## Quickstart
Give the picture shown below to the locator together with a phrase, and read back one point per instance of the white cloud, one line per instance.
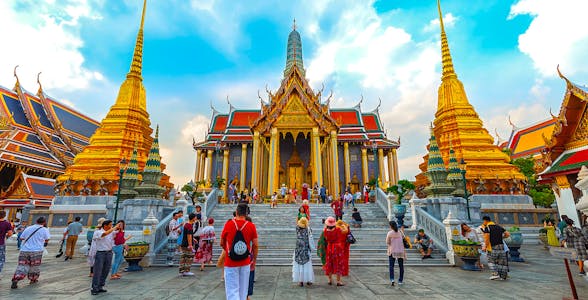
(521, 115)
(47, 42)
(448, 21)
(557, 35)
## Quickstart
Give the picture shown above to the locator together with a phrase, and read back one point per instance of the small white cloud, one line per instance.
(448, 21)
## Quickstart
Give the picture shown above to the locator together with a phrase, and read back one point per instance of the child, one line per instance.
(356, 219)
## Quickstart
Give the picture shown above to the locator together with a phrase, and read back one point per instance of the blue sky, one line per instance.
(199, 51)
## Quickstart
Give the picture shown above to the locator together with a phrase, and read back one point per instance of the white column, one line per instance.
(565, 202)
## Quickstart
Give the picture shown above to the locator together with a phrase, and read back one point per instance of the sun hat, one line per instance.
(305, 201)
(99, 222)
(302, 222)
(330, 221)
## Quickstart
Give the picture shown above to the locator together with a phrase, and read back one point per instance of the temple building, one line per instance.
(39, 138)
(457, 123)
(529, 141)
(566, 149)
(126, 127)
(295, 138)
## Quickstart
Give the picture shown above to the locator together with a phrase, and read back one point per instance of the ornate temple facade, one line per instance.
(39, 138)
(126, 128)
(458, 124)
(296, 138)
(566, 149)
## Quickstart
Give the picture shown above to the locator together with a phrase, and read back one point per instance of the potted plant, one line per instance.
(514, 242)
(400, 190)
(134, 254)
(468, 252)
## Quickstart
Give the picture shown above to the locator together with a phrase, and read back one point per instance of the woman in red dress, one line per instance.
(335, 260)
(304, 193)
(344, 227)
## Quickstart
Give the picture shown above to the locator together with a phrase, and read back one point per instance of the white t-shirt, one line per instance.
(35, 241)
(103, 243)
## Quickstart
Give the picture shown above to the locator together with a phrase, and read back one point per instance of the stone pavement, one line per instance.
(541, 277)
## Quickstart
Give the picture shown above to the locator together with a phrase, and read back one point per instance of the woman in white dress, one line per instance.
(302, 265)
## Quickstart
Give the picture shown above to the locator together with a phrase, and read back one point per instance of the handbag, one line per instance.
(351, 239)
(406, 241)
(200, 230)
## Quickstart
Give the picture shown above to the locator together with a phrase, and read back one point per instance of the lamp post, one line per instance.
(217, 147)
(466, 194)
(375, 149)
(122, 166)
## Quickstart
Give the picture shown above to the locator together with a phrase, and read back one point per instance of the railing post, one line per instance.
(149, 225)
(452, 232)
(412, 204)
(389, 198)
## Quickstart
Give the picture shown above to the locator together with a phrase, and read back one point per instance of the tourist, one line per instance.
(348, 188)
(424, 244)
(335, 249)
(204, 253)
(301, 213)
(187, 246)
(366, 193)
(302, 265)
(306, 208)
(274, 201)
(574, 238)
(356, 219)
(198, 212)
(337, 207)
(561, 226)
(73, 230)
(63, 241)
(102, 242)
(19, 230)
(321, 247)
(304, 193)
(239, 239)
(34, 239)
(294, 192)
(119, 243)
(283, 191)
(323, 193)
(5, 232)
(174, 228)
(551, 236)
(344, 227)
(585, 225)
(348, 199)
(494, 245)
(468, 233)
(92, 251)
(394, 240)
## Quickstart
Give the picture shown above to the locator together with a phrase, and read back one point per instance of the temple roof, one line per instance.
(28, 187)
(22, 144)
(569, 162)
(528, 141)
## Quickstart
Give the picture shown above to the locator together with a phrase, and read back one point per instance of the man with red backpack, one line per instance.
(239, 240)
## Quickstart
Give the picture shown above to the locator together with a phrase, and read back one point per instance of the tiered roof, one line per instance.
(530, 140)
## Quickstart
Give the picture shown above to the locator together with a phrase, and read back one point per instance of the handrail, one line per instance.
(210, 203)
(384, 203)
(161, 233)
(433, 227)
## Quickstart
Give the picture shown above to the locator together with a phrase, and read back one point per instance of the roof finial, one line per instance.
(514, 127)
(17, 84)
(446, 59)
(40, 91)
(137, 62)
(294, 24)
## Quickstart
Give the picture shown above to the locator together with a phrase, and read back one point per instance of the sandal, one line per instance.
(340, 284)
(114, 277)
(330, 283)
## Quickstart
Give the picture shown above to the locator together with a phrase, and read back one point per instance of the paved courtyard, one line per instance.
(541, 277)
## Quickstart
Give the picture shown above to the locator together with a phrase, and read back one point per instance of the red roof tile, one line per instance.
(347, 117)
(370, 123)
(220, 123)
(242, 118)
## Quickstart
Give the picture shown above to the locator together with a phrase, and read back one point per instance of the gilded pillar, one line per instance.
(273, 161)
(347, 163)
(395, 161)
(317, 173)
(391, 178)
(381, 168)
(202, 165)
(243, 167)
(208, 166)
(197, 168)
(225, 171)
(364, 166)
(255, 163)
(335, 163)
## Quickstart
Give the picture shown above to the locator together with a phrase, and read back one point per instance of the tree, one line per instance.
(541, 193)
(401, 189)
(191, 188)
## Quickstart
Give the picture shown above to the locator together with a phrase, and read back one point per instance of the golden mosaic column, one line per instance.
(391, 178)
(255, 163)
(316, 153)
(208, 166)
(364, 166)
(395, 161)
(202, 165)
(272, 166)
(335, 163)
(381, 168)
(243, 166)
(198, 165)
(346, 163)
(225, 171)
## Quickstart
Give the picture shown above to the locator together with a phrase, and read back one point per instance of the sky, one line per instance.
(198, 52)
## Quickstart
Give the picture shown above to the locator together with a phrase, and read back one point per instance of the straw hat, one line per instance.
(100, 221)
(305, 201)
(302, 222)
(330, 221)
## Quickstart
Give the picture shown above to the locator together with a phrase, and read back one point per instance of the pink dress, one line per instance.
(395, 244)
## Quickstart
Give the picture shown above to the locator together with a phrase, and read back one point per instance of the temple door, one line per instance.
(295, 176)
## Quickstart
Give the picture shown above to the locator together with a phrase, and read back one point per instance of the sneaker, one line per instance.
(14, 285)
(187, 274)
(582, 273)
(494, 277)
(170, 263)
(391, 282)
(93, 292)
(400, 283)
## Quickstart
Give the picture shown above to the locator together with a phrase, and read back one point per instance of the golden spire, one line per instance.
(445, 54)
(137, 63)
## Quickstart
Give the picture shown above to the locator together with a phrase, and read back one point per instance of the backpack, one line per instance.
(238, 250)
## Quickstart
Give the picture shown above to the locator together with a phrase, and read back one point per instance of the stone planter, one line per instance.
(469, 254)
(134, 254)
(514, 243)
(399, 210)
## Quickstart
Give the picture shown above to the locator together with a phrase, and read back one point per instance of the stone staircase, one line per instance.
(277, 235)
